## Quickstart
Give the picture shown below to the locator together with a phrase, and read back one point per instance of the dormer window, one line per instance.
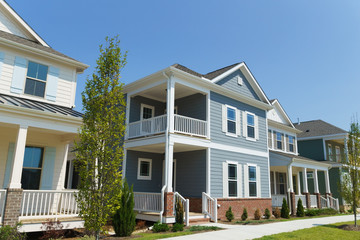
(36, 79)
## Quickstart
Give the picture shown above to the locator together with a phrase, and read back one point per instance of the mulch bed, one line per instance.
(348, 227)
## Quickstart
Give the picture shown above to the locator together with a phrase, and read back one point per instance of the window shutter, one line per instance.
(275, 140)
(283, 142)
(239, 180)
(9, 162)
(52, 82)
(244, 123)
(256, 119)
(238, 125)
(258, 182)
(246, 180)
(48, 168)
(224, 118)
(287, 142)
(295, 145)
(225, 180)
(19, 75)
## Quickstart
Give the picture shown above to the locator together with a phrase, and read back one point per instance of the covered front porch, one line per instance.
(290, 176)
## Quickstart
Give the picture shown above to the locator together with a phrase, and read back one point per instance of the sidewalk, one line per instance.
(255, 231)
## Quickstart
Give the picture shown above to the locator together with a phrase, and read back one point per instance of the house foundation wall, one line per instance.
(238, 204)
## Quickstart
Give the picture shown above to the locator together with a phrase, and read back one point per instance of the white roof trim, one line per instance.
(26, 27)
(326, 137)
(245, 70)
(283, 112)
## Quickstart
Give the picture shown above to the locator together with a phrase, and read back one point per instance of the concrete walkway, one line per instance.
(255, 231)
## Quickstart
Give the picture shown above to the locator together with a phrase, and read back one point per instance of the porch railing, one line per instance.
(277, 200)
(147, 202)
(190, 126)
(185, 203)
(209, 206)
(2, 203)
(303, 199)
(313, 201)
(147, 126)
(48, 204)
(323, 202)
(333, 203)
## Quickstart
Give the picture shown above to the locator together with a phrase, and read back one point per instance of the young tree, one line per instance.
(350, 183)
(100, 147)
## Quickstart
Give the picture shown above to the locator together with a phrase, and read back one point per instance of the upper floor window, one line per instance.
(36, 79)
(279, 141)
(31, 172)
(338, 153)
(330, 154)
(252, 181)
(147, 111)
(231, 120)
(250, 125)
(291, 143)
(232, 180)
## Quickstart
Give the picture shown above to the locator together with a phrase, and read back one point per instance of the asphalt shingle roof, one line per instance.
(33, 44)
(36, 105)
(317, 128)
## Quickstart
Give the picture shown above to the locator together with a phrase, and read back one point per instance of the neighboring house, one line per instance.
(37, 122)
(324, 142)
(288, 170)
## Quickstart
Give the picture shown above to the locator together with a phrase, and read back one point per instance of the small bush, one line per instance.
(311, 212)
(267, 214)
(257, 214)
(11, 233)
(317, 212)
(160, 227)
(203, 228)
(285, 212)
(229, 215)
(178, 227)
(277, 213)
(179, 212)
(300, 209)
(244, 216)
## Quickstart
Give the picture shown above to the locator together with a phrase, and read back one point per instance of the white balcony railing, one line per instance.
(333, 203)
(48, 204)
(155, 125)
(2, 203)
(277, 200)
(147, 202)
(303, 199)
(209, 206)
(313, 201)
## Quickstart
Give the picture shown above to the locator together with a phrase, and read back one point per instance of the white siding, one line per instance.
(9, 26)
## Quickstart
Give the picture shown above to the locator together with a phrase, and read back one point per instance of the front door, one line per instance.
(173, 175)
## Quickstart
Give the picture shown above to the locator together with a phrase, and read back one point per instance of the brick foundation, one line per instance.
(238, 205)
(293, 203)
(195, 204)
(318, 195)
(12, 206)
(308, 201)
(169, 204)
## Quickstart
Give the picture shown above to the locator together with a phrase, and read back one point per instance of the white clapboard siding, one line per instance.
(7, 25)
(6, 72)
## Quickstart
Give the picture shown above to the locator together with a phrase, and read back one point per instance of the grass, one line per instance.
(319, 233)
(187, 231)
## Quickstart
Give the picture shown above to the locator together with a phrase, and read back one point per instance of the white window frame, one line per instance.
(233, 180)
(239, 179)
(329, 151)
(247, 125)
(337, 154)
(281, 140)
(290, 136)
(256, 179)
(146, 106)
(227, 119)
(36, 79)
(139, 177)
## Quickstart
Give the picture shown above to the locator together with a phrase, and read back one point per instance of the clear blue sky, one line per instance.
(304, 53)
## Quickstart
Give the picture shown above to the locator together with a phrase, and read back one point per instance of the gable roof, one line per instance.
(317, 128)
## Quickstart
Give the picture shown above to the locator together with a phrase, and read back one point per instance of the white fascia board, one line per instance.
(73, 63)
(284, 113)
(325, 137)
(144, 141)
(310, 164)
(278, 125)
(22, 23)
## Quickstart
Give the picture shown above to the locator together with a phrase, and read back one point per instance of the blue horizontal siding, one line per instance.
(193, 106)
(135, 107)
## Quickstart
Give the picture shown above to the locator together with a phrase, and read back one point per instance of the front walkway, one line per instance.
(255, 231)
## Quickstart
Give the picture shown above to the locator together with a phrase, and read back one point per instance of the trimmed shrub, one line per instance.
(257, 214)
(229, 215)
(267, 214)
(244, 216)
(178, 227)
(285, 212)
(300, 209)
(160, 227)
(179, 212)
(277, 213)
(124, 220)
(323, 211)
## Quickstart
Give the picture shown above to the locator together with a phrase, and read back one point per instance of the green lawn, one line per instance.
(322, 232)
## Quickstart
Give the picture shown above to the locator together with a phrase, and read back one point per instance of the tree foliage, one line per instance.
(300, 212)
(350, 183)
(229, 215)
(99, 151)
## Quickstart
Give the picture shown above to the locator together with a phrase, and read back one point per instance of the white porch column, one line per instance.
(305, 183)
(63, 168)
(124, 164)
(17, 164)
(169, 153)
(208, 171)
(290, 180)
(316, 182)
(127, 120)
(298, 184)
(327, 182)
(170, 104)
(275, 184)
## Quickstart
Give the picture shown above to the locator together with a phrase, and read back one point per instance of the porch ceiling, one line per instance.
(160, 148)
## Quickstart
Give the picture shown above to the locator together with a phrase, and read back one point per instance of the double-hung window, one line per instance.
(291, 143)
(252, 181)
(232, 180)
(31, 172)
(279, 141)
(36, 79)
(144, 169)
(231, 120)
(250, 118)
(147, 111)
(338, 154)
(330, 152)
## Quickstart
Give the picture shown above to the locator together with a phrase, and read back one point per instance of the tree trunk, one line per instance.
(354, 209)
(97, 235)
